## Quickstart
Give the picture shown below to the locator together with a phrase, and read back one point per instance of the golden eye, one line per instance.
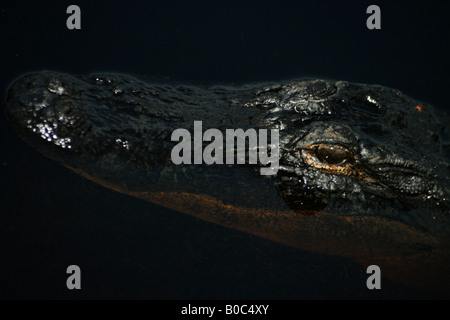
(328, 156)
(333, 159)
(331, 154)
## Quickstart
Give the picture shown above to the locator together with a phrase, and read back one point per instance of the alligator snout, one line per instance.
(46, 107)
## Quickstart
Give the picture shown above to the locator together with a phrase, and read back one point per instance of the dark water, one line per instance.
(127, 248)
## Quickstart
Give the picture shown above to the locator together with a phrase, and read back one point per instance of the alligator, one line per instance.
(363, 169)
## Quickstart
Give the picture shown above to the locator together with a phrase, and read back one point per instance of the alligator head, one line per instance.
(363, 169)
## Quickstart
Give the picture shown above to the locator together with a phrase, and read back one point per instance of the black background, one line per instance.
(130, 249)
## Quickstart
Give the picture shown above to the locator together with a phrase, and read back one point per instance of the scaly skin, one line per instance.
(363, 174)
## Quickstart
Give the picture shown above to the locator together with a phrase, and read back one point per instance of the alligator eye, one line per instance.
(332, 154)
(333, 159)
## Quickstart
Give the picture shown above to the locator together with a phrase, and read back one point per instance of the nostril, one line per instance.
(56, 86)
